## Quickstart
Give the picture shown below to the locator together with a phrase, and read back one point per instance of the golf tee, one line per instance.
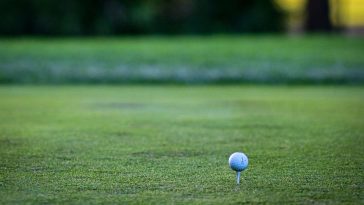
(237, 177)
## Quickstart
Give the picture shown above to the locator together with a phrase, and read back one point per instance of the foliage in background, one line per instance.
(101, 17)
(218, 59)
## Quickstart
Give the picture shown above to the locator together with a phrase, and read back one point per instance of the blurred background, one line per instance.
(136, 17)
(181, 41)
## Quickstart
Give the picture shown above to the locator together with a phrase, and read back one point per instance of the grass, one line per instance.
(140, 144)
(196, 60)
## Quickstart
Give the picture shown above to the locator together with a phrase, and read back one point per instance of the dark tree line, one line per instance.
(110, 17)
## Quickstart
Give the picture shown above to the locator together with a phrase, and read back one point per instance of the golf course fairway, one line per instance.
(170, 144)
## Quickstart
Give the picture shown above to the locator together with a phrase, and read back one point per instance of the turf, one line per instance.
(214, 59)
(140, 144)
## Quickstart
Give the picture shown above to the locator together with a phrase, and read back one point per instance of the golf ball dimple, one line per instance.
(238, 161)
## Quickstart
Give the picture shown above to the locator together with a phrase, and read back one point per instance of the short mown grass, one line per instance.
(142, 144)
(184, 60)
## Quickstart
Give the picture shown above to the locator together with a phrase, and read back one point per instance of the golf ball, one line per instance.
(238, 161)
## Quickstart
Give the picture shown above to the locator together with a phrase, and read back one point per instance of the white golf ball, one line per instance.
(238, 161)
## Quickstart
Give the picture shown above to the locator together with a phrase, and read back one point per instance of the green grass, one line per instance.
(140, 144)
(215, 59)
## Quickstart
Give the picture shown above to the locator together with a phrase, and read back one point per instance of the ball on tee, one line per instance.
(238, 161)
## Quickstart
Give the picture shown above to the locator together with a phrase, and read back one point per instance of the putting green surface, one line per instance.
(155, 144)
